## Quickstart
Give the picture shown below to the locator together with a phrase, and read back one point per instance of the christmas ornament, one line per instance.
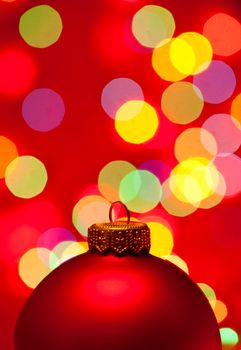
(117, 296)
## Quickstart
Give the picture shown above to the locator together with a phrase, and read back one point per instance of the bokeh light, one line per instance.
(17, 70)
(90, 210)
(53, 236)
(43, 109)
(34, 266)
(195, 142)
(230, 168)
(216, 197)
(236, 109)
(26, 177)
(74, 249)
(157, 167)
(8, 151)
(182, 56)
(208, 291)
(194, 180)
(152, 24)
(162, 63)
(136, 122)
(224, 128)
(65, 251)
(217, 83)
(220, 310)
(161, 239)
(224, 33)
(182, 102)
(229, 336)
(191, 53)
(40, 26)
(140, 190)
(172, 204)
(117, 92)
(110, 178)
(176, 260)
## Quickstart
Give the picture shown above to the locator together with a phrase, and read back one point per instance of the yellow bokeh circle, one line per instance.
(172, 204)
(176, 260)
(162, 64)
(26, 176)
(161, 239)
(136, 121)
(194, 180)
(191, 53)
(182, 56)
(34, 266)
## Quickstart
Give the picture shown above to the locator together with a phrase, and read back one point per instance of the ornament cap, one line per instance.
(119, 237)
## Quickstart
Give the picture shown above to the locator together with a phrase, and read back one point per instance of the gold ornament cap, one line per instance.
(119, 237)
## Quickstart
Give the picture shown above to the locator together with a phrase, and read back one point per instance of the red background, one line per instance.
(93, 49)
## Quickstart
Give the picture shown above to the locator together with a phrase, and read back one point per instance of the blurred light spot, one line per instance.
(194, 179)
(74, 249)
(117, 92)
(43, 109)
(17, 71)
(224, 128)
(140, 190)
(229, 336)
(161, 239)
(224, 33)
(136, 121)
(124, 218)
(216, 197)
(65, 251)
(55, 235)
(40, 26)
(152, 24)
(191, 53)
(182, 102)
(8, 151)
(182, 56)
(34, 266)
(208, 291)
(176, 260)
(230, 167)
(110, 177)
(236, 110)
(162, 63)
(195, 142)
(217, 83)
(26, 177)
(159, 168)
(173, 205)
(90, 210)
(158, 218)
(220, 310)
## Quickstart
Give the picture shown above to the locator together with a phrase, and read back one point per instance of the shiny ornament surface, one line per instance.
(96, 301)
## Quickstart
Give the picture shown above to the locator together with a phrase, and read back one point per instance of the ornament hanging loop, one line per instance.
(124, 206)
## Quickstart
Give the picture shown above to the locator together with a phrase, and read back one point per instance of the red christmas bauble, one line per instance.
(106, 301)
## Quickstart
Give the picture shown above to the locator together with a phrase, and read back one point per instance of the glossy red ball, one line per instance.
(95, 302)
